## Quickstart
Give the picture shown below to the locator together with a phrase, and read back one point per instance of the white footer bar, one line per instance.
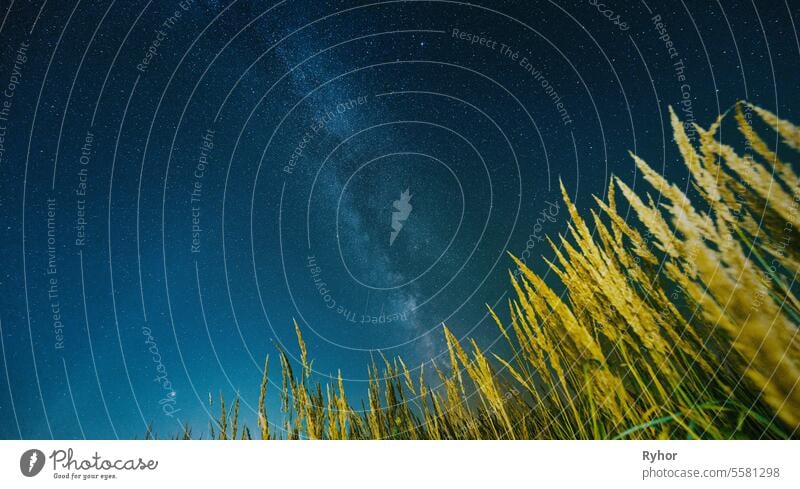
(389, 464)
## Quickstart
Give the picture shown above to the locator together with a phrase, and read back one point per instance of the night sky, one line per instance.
(181, 180)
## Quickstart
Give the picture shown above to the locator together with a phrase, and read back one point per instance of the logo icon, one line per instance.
(31, 462)
(403, 210)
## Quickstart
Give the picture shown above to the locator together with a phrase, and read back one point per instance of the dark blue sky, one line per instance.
(179, 181)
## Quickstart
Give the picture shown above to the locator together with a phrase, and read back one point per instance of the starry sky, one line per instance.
(180, 181)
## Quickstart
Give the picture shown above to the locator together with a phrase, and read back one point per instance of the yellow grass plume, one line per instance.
(681, 323)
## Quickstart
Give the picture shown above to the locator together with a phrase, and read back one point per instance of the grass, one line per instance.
(679, 323)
